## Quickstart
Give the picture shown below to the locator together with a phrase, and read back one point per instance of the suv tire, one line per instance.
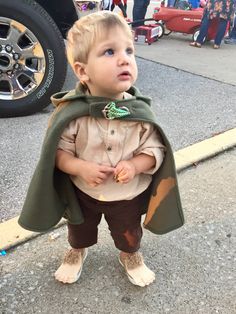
(37, 44)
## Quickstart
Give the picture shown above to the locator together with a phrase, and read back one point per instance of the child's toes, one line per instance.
(71, 268)
(138, 273)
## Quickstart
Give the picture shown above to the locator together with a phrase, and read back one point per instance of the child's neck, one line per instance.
(122, 95)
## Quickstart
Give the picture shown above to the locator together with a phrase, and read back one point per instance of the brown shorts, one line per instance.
(123, 218)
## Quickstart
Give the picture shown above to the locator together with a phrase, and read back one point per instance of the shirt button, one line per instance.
(112, 132)
(109, 148)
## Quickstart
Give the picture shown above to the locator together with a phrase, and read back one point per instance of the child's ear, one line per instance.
(80, 71)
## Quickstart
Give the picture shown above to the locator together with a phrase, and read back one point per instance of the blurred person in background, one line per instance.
(220, 9)
(111, 4)
(231, 39)
(121, 4)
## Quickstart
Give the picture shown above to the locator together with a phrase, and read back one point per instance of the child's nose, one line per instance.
(123, 58)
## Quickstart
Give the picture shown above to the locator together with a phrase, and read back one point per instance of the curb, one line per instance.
(12, 234)
(208, 148)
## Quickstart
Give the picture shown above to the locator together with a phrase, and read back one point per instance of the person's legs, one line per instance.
(139, 11)
(220, 32)
(112, 6)
(125, 5)
(106, 5)
(123, 10)
(124, 220)
(80, 237)
(232, 35)
(233, 31)
(203, 29)
(170, 3)
(125, 226)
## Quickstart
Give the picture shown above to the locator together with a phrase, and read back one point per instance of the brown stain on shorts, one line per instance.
(130, 238)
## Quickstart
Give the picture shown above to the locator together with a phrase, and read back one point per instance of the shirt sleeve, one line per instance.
(151, 144)
(67, 139)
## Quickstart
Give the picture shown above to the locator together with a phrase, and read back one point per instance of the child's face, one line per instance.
(111, 67)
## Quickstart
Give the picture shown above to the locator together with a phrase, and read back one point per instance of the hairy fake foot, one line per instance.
(71, 267)
(138, 273)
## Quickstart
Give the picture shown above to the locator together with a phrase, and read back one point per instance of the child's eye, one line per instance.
(109, 52)
(129, 51)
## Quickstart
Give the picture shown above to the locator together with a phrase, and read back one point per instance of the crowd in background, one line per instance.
(221, 10)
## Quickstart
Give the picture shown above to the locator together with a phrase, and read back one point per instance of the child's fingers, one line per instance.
(107, 169)
(117, 173)
(122, 177)
(118, 170)
(103, 176)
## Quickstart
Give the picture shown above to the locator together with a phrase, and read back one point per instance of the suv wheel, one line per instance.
(32, 58)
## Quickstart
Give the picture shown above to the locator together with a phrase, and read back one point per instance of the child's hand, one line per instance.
(93, 173)
(124, 171)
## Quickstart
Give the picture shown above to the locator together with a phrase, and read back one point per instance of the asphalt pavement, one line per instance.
(194, 265)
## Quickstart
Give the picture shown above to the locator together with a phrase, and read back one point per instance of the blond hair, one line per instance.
(90, 28)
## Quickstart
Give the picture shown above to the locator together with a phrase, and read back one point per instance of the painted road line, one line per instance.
(208, 148)
(11, 234)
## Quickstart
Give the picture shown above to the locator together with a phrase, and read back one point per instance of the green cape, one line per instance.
(51, 195)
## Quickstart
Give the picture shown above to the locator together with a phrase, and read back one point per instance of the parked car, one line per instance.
(32, 52)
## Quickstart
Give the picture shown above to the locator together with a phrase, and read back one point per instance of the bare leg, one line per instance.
(71, 267)
(138, 273)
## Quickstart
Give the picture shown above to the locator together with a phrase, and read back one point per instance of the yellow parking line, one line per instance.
(203, 150)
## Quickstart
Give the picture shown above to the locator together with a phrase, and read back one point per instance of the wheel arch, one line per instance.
(63, 13)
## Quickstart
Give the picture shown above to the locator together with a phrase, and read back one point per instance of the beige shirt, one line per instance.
(107, 142)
